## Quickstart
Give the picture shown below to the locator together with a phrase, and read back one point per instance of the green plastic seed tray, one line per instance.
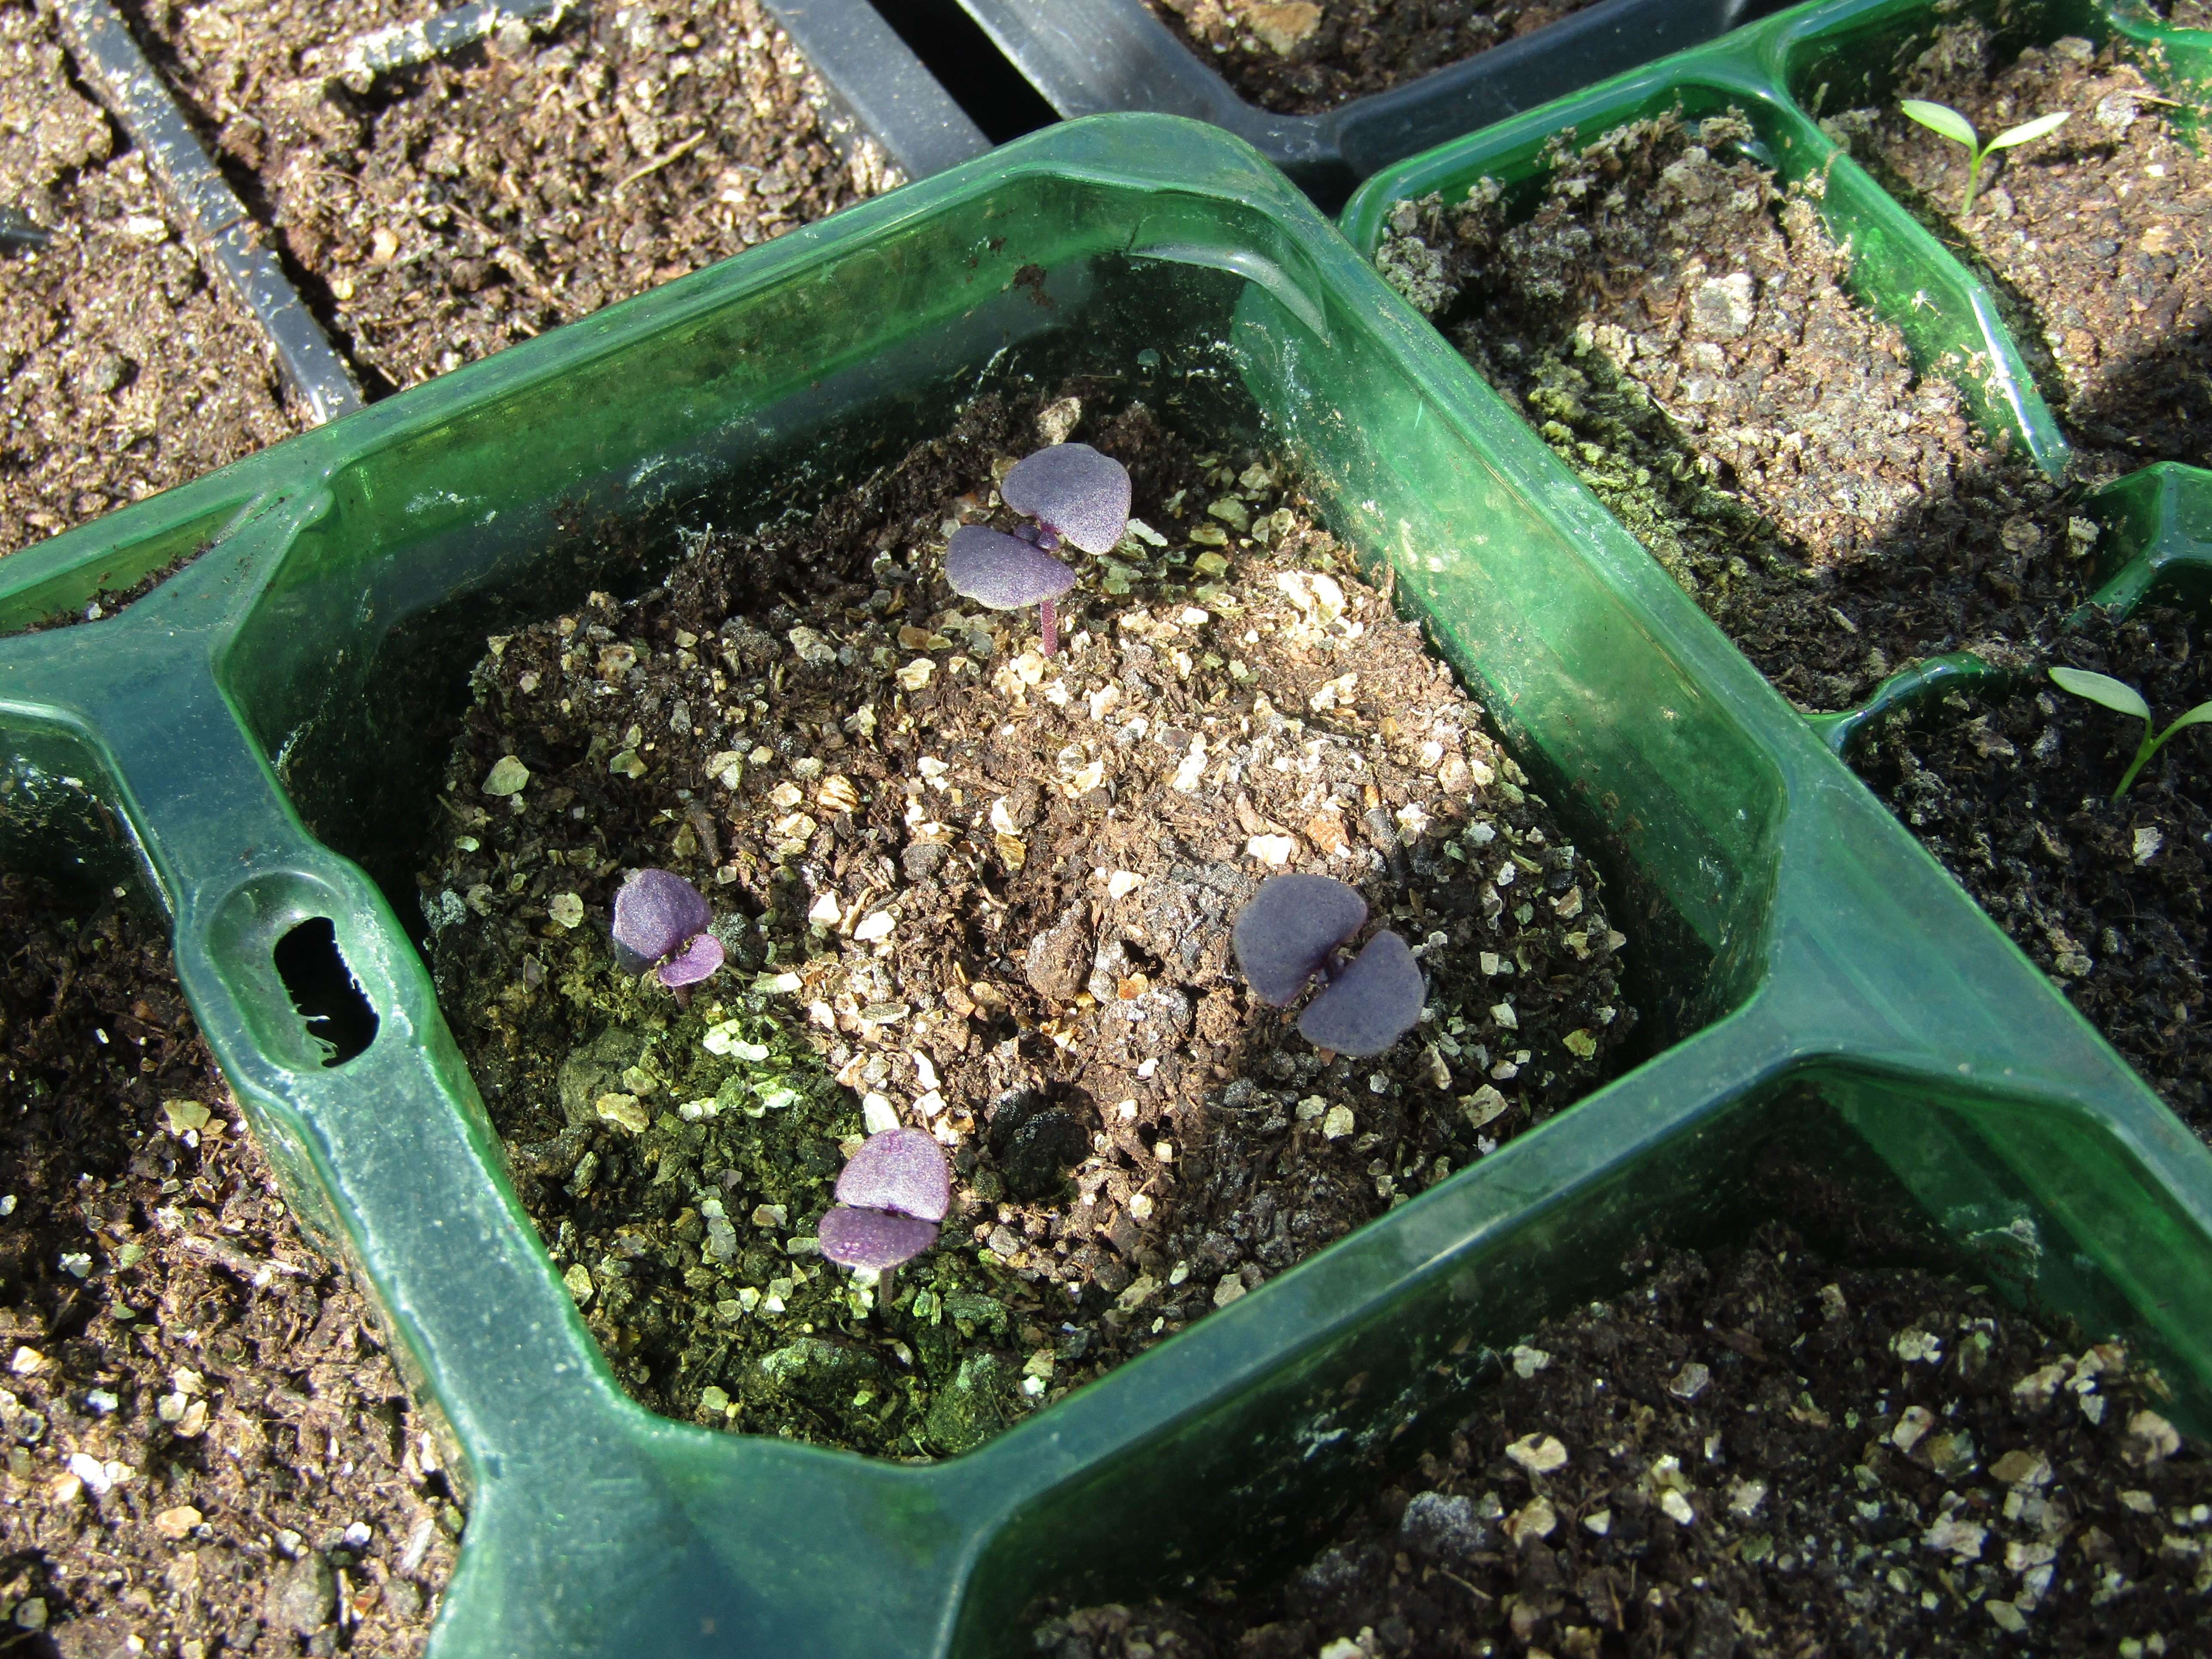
(2157, 544)
(254, 740)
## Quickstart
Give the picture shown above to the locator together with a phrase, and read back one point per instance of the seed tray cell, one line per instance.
(255, 744)
(1093, 57)
(1845, 54)
(1779, 74)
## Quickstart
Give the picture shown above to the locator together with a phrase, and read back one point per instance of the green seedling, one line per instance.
(1942, 117)
(2102, 688)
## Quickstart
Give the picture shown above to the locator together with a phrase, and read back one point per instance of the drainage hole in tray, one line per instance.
(325, 991)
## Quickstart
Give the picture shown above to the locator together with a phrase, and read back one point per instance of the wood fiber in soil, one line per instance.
(2096, 238)
(1680, 333)
(1757, 1451)
(999, 889)
(123, 371)
(2014, 796)
(1304, 59)
(170, 1333)
(443, 213)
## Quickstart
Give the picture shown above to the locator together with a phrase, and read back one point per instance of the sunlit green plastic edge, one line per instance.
(597, 1528)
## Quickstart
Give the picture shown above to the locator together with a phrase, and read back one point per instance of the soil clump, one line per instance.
(208, 1448)
(1756, 1449)
(1304, 59)
(982, 892)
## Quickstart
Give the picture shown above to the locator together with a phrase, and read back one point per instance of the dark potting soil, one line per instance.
(1755, 1451)
(429, 216)
(1304, 59)
(976, 890)
(2096, 238)
(433, 215)
(207, 1448)
(123, 370)
(2012, 793)
(1680, 333)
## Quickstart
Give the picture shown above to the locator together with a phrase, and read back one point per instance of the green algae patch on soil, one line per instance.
(977, 891)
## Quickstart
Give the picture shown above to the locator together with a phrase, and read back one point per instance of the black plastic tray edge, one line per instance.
(1087, 56)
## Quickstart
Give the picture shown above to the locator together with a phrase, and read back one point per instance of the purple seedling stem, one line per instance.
(1006, 572)
(891, 1198)
(1072, 491)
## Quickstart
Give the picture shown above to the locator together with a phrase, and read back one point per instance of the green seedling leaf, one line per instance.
(2102, 689)
(1942, 117)
(2029, 131)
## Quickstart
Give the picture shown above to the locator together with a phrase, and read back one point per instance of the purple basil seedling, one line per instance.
(889, 1199)
(1006, 572)
(660, 918)
(1289, 934)
(1072, 491)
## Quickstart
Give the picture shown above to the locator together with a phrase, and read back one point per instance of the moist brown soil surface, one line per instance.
(2099, 237)
(208, 1448)
(1302, 58)
(1680, 334)
(998, 890)
(429, 216)
(1755, 1451)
